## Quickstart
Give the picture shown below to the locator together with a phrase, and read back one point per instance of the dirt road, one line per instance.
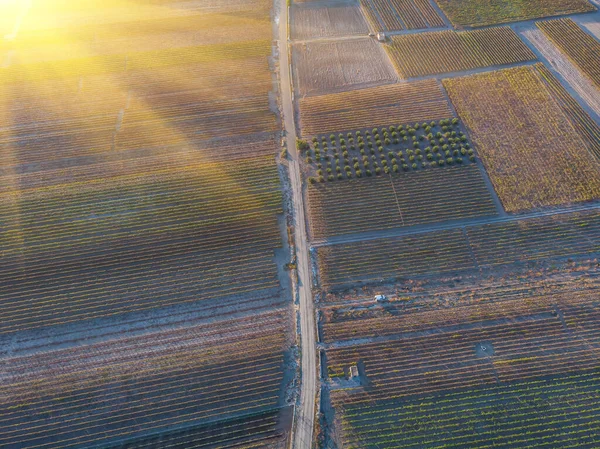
(305, 413)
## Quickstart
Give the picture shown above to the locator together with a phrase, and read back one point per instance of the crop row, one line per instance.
(63, 406)
(366, 108)
(450, 250)
(561, 411)
(581, 48)
(531, 151)
(411, 199)
(421, 54)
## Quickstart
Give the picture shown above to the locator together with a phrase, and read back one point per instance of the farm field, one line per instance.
(531, 166)
(372, 107)
(588, 129)
(574, 78)
(315, 21)
(581, 48)
(141, 189)
(508, 365)
(477, 13)
(422, 54)
(382, 203)
(397, 15)
(335, 66)
(128, 387)
(459, 250)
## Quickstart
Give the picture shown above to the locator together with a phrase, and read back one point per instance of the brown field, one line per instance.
(325, 67)
(366, 108)
(532, 153)
(421, 54)
(481, 12)
(310, 21)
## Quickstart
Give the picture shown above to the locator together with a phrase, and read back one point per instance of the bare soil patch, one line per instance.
(325, 67)
(314, 21)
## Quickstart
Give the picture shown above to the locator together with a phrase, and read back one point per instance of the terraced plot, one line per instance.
(422, 54)
(389, 202)
(581, 48)
(126, 388)
(366, 108)
(478, 13)
(530, 149)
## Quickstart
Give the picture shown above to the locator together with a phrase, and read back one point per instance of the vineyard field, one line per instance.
(588, 129)
(534, 156)
(411, 199)
(460, 250)
(478, 13)
(344, 265)
(128, 387)
(397, 15)
(142, 244)
(365, 108)
(422, 54)
(581, 48)
(509, 366)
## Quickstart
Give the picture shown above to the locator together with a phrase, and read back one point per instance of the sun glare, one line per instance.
(12, 13)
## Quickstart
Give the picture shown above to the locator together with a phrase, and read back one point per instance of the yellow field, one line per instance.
(533, 155)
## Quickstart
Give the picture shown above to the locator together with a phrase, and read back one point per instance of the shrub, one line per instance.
(339, 176)
(377, 170)
(368, 172)
(321, 179)
(395, 168)
(302, 145)
(330, 178)
(414, 166)
(311, 180)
